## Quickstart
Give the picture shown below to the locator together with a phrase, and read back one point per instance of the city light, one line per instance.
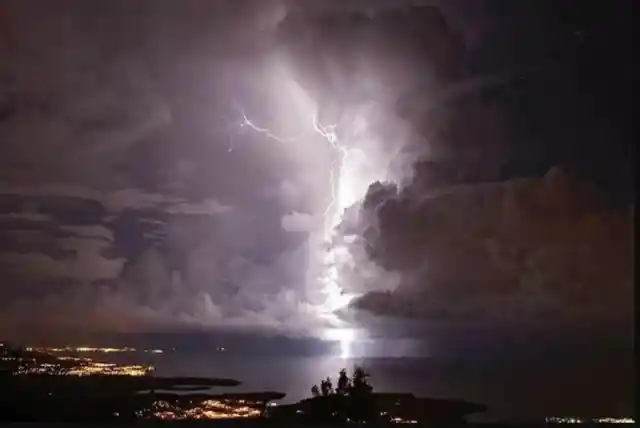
(576, 420)
(90, 349)
(35, 361)
(85, 368)
(110, 369)
(208, 409)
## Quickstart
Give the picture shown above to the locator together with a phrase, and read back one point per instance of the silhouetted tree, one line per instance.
(352, 400)
(315, 391)
(360, 382)
(344, 383)
(326, 387)
(362, 406)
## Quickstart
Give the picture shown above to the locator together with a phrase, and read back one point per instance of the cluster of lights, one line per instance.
(398, 420)
(66, 358)
(86, 368)
(393, 420)
(403, 421)
(208, 409)
(43, 369)
(111, 369)
(574, 420)
(89, 349)
(615, 421)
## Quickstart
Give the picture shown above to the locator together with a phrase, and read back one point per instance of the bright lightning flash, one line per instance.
(342, 196)
(349, 177)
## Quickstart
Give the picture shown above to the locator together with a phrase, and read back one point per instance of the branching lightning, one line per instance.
(340, 199)
(267, 132)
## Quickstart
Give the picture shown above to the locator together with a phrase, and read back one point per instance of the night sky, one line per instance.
(496, 209)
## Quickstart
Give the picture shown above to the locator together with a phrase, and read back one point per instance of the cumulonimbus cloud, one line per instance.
(534, 250)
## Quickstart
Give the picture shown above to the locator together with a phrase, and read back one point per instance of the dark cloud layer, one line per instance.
(520, 252)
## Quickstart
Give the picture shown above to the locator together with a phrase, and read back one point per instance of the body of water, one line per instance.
(520, 389)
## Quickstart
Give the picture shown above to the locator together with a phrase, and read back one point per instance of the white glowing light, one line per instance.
(345, 336)
(342, 196)
(266, 132)
(350, 174)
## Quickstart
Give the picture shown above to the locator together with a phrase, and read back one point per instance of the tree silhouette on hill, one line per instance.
(344, 383)
(351, 401)
(326, 387)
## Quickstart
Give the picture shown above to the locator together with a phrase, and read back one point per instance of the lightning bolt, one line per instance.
(265, 131)
(336, 297)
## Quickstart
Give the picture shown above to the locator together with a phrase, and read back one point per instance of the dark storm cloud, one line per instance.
(493, 96)
(525, 252)
(414, 63)
(65, 209)
(533, 250)
(350, 57)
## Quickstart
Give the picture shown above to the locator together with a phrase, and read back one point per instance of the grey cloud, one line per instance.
(102, 309)
(109, 92)
(300, 222)
(95, 232)
(206, 293)
(26, 240)
(87, 265)
(80, 257)
(53, 190)
(133, 199)
(197, 279)
(121, 199)
(136, 199)
(289, 191)
(151, 221)
(69, 209)
(28, 216)
(207, 207)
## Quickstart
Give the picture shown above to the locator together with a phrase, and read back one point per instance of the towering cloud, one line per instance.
(524, 251)
(468, 241)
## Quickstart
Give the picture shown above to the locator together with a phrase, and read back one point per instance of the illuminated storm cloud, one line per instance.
(352, 166)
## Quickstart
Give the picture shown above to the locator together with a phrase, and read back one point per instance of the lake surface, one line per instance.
(511, 388)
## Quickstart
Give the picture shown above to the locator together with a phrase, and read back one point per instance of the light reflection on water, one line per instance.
(294, 375)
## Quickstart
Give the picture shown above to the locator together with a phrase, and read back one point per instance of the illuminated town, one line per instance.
(89, 349)
(584, 421)
(37, 361)
(47, 364)
(207, 409)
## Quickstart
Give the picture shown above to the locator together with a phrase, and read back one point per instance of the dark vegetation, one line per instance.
(353, 400)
